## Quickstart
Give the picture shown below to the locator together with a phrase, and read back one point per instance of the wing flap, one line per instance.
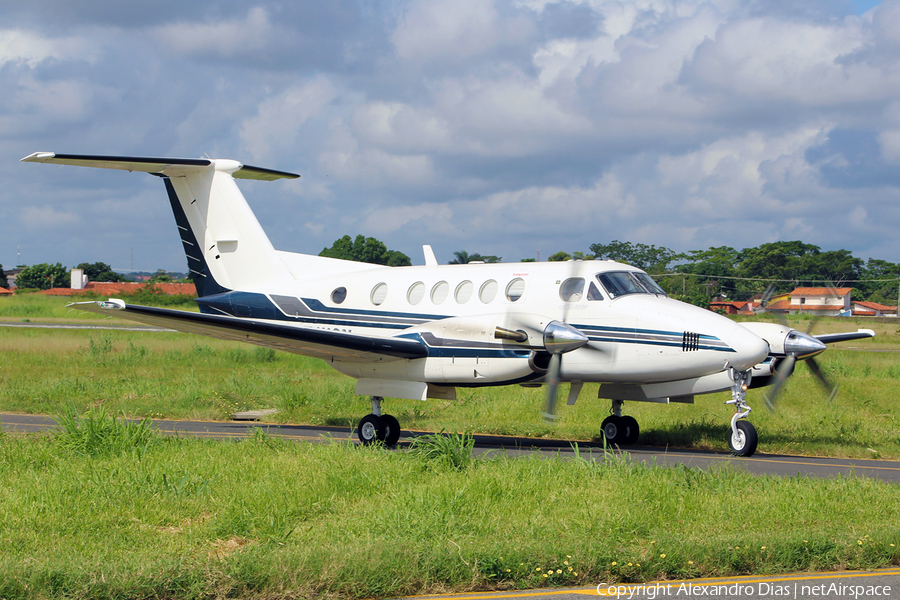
(309, 342)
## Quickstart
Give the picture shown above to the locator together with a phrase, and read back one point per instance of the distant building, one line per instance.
(873, 309)
(731, 308)
(822, 301)
(11, 275)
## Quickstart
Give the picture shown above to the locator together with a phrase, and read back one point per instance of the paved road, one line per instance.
(769, 464)
(845, 585)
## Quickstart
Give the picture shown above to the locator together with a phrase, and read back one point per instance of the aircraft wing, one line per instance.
(830, 338)
(318, 343)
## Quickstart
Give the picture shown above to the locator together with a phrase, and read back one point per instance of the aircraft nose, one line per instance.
(749, 348)
(802, 345)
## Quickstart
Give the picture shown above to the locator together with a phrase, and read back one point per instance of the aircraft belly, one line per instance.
(453, 370)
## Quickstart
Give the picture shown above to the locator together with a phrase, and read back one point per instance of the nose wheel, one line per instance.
(376, 427)
(742, 439)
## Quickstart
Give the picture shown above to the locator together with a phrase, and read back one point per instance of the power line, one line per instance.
(829, 281)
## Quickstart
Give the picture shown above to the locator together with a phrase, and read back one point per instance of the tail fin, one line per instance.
(225, 245)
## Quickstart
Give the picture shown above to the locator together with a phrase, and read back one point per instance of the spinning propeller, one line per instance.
(803, 346)
(554, 337)
(797, 345)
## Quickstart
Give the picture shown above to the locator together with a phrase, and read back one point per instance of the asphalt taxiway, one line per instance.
(760, 464)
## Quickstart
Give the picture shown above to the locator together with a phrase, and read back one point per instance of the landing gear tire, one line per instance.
(391, 430)
(613, 430)
(620, 431)
(630, 425)
(743, 442)
(371, 429)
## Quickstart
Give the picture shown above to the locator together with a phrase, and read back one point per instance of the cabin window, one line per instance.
(594, 293)
(439, 292)
(379, 293)
(464, 292)
(339, 295)
(416, 293)
(515, 289)
(488, 291)
(571, 289)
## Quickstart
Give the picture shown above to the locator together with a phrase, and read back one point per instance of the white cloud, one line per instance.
(29, 48)
(890, 145)
(454, 32)
(279, 119)
(48, 218)
(227, 38)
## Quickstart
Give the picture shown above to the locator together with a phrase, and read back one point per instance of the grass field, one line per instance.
(155, 517)
(107, 509)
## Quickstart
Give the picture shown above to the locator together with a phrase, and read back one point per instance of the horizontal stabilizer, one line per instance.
(309, 342)
(147, 164)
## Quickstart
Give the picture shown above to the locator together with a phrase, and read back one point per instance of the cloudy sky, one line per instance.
(494, 126)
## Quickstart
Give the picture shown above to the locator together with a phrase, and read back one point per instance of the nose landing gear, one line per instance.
(743, 438)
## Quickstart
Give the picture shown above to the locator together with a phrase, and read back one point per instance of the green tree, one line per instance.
(161, 276)
(3, 282)
(716, 268)
(463, 257)
(649, 258)
(99, 271)
(884, 291)
(43, 277)
(559, 257)
(368, 250)
(778, 260)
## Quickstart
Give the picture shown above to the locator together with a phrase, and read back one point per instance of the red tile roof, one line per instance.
(4, 291)
(821, 291)
(874, 305)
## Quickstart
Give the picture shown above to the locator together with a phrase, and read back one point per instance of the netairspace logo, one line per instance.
(651, 591)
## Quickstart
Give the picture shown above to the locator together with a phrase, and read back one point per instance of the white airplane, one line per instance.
(422, 331)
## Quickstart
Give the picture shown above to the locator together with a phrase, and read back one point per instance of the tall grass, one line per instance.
(444, 450)
(97, 433)
(193, 518)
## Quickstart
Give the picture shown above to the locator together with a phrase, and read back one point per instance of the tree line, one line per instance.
(698, 276)
(44, 276)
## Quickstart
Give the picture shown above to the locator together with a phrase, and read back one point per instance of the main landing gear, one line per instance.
(618, 429)
(743, 439)
(376, 427)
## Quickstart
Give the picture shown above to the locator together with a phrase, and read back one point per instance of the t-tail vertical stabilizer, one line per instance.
(225, 245)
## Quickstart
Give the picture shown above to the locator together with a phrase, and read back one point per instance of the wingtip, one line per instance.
(38, 157)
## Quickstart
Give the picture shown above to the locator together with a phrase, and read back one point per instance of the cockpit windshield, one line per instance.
(621, 283)
(649, 283)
